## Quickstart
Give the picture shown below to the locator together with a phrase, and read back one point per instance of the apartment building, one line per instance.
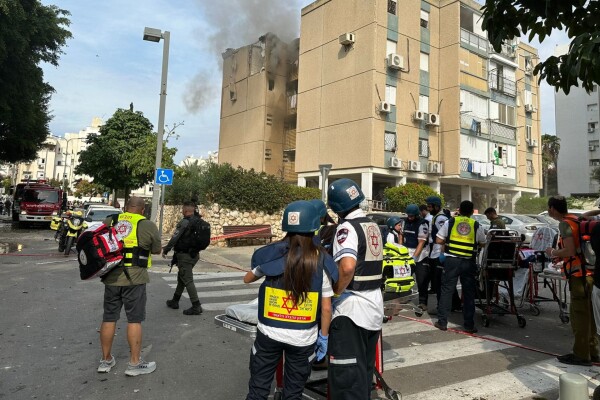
(392, 92)
(577, 117)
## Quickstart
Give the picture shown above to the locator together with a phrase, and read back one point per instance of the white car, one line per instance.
(95, 215)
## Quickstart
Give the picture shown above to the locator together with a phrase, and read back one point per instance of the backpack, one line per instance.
(99, 251)
(199, 234)
(589, 240)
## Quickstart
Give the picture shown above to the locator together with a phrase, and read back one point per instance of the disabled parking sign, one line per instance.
(163, 176)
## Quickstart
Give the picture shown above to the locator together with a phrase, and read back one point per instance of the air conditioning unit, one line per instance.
(592, 148)
(40, 166)
(395, 162)
(414, 166)
(433, 119)
(534, 143)
(419, 116)
(385, 107)
(528, 69)
(530, 108)
(434, 167)
(26, 176)
(430, 166)
(591, 129)
(347, 39)
(395, 61)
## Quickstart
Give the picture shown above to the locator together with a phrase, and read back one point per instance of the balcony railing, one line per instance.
(502, 84)
(474, 40)
(508, 50)
(486, 128)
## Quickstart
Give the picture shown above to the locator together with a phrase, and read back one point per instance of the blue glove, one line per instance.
(321, 347)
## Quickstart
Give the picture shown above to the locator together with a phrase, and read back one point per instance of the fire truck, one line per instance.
(36, 201)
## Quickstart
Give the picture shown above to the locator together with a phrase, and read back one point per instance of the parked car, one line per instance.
(552, 223)
(523, 224)
(95, 215)
(482, 219)
(571, 211)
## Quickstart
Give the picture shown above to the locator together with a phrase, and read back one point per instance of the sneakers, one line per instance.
(141, 368)
(105, 365)
(595, 359)
(572, 359)
(174, 304)
(423, 307)
(470, 330)
(440, 326)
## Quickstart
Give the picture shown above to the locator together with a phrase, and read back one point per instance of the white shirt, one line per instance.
(295, 337)
(440, 220)
(364, 308)
(443, 234)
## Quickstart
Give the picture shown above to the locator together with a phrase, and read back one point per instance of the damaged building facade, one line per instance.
(388, 93)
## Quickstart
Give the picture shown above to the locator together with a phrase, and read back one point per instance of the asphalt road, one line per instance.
(49, 345)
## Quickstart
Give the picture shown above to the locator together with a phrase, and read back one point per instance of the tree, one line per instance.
(85, 188)
(122, 155)
(412, 193)
(30, 33)
(507, 19)
(550, 150)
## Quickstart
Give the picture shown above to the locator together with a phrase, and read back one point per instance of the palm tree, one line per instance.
(550, 150)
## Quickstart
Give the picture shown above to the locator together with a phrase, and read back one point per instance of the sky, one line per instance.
(107, 65)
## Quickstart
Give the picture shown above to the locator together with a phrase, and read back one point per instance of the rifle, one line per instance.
(173, 262)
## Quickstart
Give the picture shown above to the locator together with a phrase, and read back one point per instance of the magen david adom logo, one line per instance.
(353, 192)
(463, 228)
(294, 218)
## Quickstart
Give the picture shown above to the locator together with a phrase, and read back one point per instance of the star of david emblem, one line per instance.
(374, 240)
(289, 308)
(122, 228)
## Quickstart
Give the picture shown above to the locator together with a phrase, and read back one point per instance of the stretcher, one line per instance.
(243, 318)
(497, 264)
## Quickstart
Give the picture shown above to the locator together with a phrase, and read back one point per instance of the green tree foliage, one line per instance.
(528, 204)
(30, 33)
(550, 150)
(6, 185)
(506, 19)
(234, 188)
(85, 188)
(412, 193)
(122, 155)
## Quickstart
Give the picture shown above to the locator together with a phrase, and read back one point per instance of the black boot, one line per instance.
(174, 303)
(195, 309)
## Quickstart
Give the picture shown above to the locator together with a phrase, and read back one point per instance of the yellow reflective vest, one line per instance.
(126, 228)
(461, 240)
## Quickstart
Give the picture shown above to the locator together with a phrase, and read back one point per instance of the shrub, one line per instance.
(528, 204)
(412, 193)
(235, 188)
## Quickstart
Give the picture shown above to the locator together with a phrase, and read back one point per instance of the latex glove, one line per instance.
(321, 347)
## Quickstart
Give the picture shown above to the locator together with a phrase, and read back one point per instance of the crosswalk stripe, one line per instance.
(434, 352)
(213, 275)
(515, 384)
(217, 284)
(223, 293)
(220, 306)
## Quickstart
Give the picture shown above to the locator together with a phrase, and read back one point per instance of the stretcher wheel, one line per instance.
(419, 313)
(535, 310)
(485, 321)
(521, 321)
(564, 319)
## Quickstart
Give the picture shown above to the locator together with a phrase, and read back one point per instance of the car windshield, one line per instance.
(40, 196)
(525, 219)
(101, 215)
(482, 219)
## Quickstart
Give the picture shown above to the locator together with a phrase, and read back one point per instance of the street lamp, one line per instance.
(154, 35)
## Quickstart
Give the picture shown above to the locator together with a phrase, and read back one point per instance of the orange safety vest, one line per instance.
(572, 266)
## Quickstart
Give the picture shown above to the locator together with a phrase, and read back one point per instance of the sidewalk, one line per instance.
(213, 259)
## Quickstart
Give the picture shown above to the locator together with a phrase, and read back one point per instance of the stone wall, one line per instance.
(217, 217)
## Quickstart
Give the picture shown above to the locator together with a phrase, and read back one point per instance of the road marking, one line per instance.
(214, 275)
(217, 284)
(222, 293)
(56, 262)
(519, 383)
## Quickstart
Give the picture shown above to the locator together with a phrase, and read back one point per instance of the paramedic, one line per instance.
(297, 275)
(460, 235)
(394, 235)
(581, 283)
(327, 229)
(126, 287)
(358, 312)
(436, 252)
(415, 234)
(186, 257)
(593, 216)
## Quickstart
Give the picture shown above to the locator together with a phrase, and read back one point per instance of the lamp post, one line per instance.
(154, 35)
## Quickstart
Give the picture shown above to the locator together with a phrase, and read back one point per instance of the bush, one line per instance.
(412, 193)
(235, 188)
(528, 204)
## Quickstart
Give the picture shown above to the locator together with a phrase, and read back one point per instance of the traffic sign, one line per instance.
(163, 176)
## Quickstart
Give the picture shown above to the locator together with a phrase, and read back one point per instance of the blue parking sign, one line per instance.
(163, 176)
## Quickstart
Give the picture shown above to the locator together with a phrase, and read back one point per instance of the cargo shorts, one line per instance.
(132, 297)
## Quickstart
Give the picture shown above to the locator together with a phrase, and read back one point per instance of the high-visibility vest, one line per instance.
(127, 232)
(462, 237)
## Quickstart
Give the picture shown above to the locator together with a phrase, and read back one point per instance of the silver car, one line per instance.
(523, 224)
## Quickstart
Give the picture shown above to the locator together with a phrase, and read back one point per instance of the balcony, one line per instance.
(509, 50)
(502, 84)
(473, 40)
(292, 104)
(486, 128)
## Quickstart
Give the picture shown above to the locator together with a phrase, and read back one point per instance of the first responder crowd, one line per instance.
(321, 298)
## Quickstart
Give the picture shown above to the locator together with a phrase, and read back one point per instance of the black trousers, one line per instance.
(424, 273)
(351, 360)
(264, 358)
(437, 268)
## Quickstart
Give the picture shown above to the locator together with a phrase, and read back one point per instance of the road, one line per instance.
(49, 346)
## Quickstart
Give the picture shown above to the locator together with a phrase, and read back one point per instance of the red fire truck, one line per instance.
(36, 201)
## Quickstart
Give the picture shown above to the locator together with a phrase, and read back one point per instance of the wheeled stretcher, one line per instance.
(497, 263)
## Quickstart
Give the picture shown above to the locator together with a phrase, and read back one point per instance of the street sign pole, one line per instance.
(162, 205)
(324, 169)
